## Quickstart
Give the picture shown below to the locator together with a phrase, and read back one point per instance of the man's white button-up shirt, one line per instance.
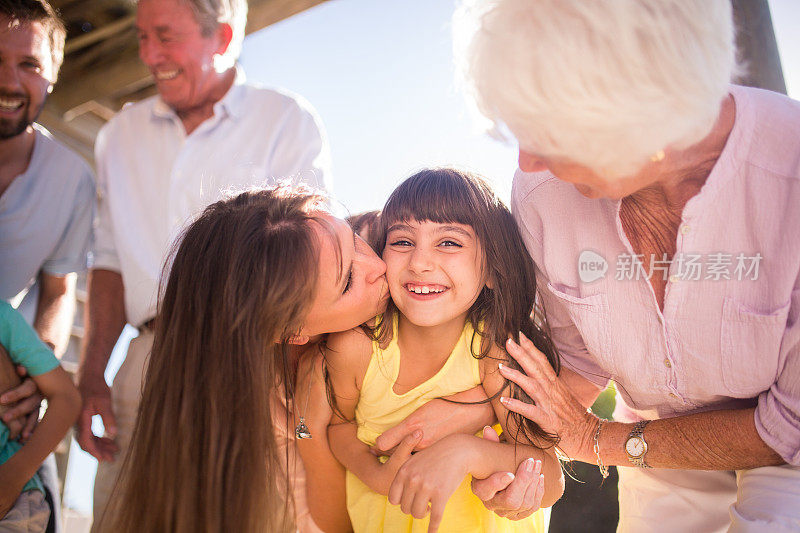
(153, 178)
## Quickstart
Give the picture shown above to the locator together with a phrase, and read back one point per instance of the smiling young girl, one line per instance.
(461, 283)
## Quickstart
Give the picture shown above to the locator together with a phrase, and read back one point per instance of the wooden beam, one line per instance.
(78, 43)
(125, 73)
(758, 50)
(79, 135)
(262, 13)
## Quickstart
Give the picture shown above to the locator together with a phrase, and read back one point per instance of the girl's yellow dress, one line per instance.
(379, 409)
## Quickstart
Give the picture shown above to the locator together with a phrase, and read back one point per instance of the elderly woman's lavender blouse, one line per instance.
(729, 334)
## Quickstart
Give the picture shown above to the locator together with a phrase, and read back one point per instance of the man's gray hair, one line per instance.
(211, 13)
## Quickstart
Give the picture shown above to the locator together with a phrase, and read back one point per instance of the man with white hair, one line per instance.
(659, 203)
(161, 161)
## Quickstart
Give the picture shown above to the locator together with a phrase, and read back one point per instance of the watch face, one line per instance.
(635, 446)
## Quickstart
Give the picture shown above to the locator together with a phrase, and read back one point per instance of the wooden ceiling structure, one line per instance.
(102, 70)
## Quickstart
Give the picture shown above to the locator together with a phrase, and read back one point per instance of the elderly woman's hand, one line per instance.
(510, 496)
(554, 407)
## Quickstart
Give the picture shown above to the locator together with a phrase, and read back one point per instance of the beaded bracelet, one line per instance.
(603, 468)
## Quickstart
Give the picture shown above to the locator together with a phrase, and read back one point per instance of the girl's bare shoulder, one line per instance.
(491, 378)
(348, 347)
(495, 356)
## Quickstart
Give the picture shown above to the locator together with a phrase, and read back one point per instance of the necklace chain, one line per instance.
(301, 431)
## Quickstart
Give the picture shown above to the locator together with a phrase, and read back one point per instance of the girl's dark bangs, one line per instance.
(438, 198)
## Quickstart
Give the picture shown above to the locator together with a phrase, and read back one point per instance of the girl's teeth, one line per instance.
(424, 290)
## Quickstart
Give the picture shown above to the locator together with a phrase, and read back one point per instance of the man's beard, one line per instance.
(10, 128)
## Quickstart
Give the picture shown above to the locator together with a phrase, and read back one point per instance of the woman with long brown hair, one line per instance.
(249, 277)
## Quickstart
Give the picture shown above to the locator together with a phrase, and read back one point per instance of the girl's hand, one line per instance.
(428, 479)
(402, 453)
(554, 407)
(510, 496)
(438, 419)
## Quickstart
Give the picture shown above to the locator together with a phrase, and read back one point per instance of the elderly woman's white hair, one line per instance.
(603, 83)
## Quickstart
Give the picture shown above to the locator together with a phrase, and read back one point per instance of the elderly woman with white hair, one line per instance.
(661, 206)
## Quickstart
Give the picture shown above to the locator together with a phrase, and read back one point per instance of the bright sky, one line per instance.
(379, 72)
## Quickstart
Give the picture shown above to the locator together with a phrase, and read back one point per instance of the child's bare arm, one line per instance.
(356, 457)
(523, 449)
(348, 357)
(63, 405)
(428, 479)
(459, 413)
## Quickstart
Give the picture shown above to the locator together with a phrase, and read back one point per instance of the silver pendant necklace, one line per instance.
(301, 431)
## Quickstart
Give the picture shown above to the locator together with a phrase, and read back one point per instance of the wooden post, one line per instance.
(758, 50)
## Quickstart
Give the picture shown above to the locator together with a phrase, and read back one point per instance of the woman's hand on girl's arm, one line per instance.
(428, 479)
(540, 449)
(556, 409)
(511, 496)
(438, 418)
(711, 440)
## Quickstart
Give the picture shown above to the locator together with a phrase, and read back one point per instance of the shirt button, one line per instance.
(667, 363)
(673, 395)
(674, 278)
(685, 229)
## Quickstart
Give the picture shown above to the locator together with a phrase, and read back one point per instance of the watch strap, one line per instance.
(638, 431)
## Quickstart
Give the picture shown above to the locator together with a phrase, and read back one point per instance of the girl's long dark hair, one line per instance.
(445, 195)
(204, 456)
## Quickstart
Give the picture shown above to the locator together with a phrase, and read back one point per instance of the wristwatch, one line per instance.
(636, 446)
